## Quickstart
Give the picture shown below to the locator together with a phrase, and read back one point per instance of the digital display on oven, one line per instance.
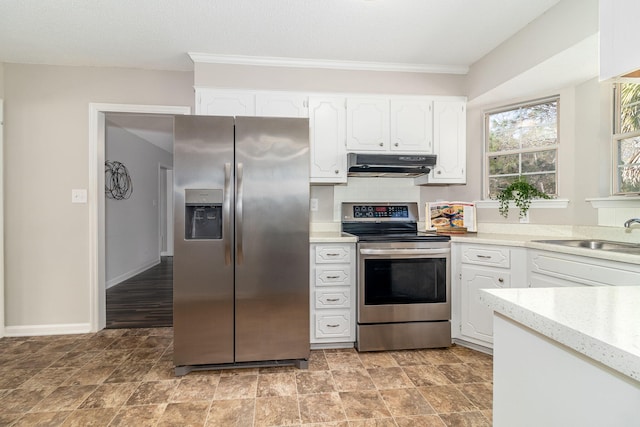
(373, 211)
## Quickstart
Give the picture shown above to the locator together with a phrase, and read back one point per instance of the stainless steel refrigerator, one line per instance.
(241, 251)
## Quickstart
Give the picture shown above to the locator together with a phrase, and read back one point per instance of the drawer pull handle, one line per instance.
(333, 326)
(333, 254)
(484, 256)
(333, 277)
(338, 299)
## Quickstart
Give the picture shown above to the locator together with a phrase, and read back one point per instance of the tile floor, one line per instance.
(124, 377)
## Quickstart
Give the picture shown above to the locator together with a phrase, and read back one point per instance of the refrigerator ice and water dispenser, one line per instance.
(203, 214)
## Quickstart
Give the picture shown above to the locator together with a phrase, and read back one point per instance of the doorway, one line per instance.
(99, 115)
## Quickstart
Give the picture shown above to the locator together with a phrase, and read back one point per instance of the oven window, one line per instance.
(405, 281)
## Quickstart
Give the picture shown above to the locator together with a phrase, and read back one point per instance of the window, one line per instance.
(626, 138)
(522, 140)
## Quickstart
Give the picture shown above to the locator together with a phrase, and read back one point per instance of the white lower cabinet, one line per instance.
(476, 319)
(479, 267)
(332, 293)
(553, 269)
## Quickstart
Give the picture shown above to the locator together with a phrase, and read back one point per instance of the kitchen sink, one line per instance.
(603, 245)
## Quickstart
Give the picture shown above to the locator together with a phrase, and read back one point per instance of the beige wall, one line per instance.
(560, 28)
(583, 157)
(322, 80)
(46, 155)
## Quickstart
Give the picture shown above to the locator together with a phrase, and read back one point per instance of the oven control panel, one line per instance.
(379, 212)
(375, 211)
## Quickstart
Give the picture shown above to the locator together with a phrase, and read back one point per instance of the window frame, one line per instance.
(519, 152)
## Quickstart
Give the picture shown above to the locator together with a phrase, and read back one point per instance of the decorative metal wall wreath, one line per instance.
(117, 182)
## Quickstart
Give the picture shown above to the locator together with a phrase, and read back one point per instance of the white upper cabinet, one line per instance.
(411, 125)
(281, 104)
(327, 117)
(367, 124)
(341, 123)
(449, 142)
(210, 102)
(619, 53)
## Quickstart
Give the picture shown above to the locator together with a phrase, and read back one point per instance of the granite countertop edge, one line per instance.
(522, 306)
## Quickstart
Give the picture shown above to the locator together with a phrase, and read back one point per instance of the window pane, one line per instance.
(629, 107)
(502, 139)
(545, 182)
(539, 161)
(524, 127)
(497, 183)
(500, 165)
(629, 165)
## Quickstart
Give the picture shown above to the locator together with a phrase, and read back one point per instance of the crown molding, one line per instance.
(266, 61)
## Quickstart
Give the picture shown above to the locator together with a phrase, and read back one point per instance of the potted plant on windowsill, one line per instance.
(521, 192)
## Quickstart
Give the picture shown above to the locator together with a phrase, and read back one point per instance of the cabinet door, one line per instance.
(477, 318)
(411, 126)
(449, 142)
(327, 138)
(281, 105)
(367, 124)
(225, 103)
(619, 53)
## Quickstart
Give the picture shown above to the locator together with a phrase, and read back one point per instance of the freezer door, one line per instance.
(203, 264)
(272, 239)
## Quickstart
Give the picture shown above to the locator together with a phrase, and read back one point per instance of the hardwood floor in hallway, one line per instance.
(143, 301)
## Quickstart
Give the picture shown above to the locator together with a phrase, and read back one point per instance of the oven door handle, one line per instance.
(401, 252)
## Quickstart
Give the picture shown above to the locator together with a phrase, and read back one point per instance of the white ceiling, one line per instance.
(157, 34)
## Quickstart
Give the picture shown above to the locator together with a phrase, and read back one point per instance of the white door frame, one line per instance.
(1, 221)
(97, 296)
(165, 209)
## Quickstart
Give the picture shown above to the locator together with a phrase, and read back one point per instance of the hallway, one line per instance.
(143, 301)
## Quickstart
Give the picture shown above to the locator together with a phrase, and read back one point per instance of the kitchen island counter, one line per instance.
(573, 354)
(601, 322)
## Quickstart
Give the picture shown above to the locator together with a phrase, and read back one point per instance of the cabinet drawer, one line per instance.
(487, 255)
(334, 298)
(332, 276)
(333, 254)
(335, 325)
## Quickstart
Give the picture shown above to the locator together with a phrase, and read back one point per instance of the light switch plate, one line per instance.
(79, 195)
(314, 205)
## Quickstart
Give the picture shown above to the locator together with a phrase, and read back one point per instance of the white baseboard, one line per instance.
(473, 346)
(129, 274)
(36, 330)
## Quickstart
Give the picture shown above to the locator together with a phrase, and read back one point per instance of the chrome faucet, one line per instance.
(628, 222)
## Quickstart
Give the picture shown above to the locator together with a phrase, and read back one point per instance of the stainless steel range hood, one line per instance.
(389, 165)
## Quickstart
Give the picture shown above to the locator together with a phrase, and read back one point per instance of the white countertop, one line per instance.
(601, 322)
(331, 237)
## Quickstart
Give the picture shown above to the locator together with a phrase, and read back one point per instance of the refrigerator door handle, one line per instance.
(226, 215)
(239, 189)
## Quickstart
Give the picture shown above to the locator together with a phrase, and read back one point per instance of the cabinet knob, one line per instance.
(396, 144)
(439, 172)
(336, 171)
(382, 144)
(501, 280)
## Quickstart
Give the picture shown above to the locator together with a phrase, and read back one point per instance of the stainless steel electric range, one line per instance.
(403, 275)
